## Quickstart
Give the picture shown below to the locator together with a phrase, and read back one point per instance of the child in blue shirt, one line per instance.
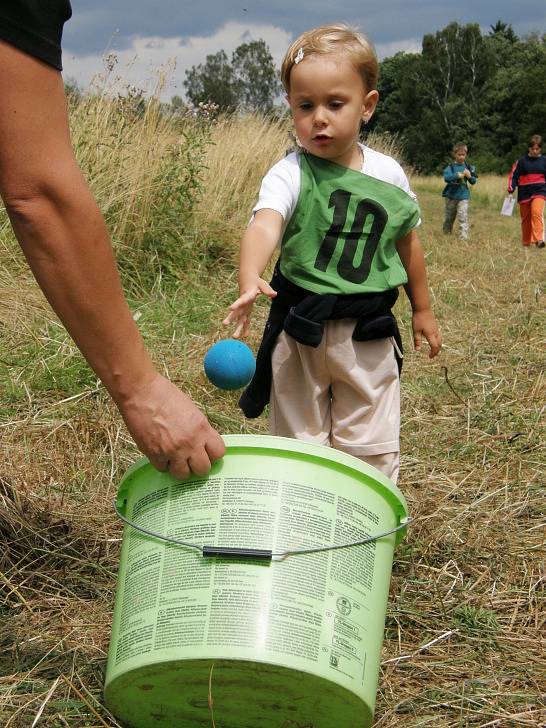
(458, 175)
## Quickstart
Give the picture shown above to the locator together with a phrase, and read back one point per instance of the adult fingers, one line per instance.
(215, 446)
(180, 468)
(160, 463)
(170, 429)
(200, 459)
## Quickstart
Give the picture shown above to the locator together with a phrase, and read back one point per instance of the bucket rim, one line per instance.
(385, 486)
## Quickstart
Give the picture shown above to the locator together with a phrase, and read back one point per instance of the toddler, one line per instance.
(458, 175)
(329, 362)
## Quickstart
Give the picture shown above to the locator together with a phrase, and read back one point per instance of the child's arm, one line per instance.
(513, 177)
(471, 174)
(257, 246)
(450, 175)
(423, 322)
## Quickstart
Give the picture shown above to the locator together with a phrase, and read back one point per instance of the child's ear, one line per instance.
(369, 104)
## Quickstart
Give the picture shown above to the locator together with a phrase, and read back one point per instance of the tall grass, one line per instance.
(146, 170)
(241, 151)
(463, 642)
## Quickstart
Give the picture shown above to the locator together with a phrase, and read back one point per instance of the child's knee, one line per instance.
(388, 463)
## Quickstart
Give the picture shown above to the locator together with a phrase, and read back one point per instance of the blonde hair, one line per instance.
(334, 39)
(458, 146)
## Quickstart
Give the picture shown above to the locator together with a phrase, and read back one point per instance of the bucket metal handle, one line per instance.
(261, 554)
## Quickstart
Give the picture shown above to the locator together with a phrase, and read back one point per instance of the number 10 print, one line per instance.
(339, 200)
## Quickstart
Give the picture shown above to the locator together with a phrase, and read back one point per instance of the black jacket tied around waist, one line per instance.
(302, 315)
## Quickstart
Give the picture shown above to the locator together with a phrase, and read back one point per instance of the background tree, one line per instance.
(177, 103)
(452, 68)
(486, 90)
(400, 110)
(256, 78)
(397, 108)
(504, 30)
(248, 82)
(513, 101)
(212, 82)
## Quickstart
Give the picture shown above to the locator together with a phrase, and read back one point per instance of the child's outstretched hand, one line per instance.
(424, 324)
(241, 309)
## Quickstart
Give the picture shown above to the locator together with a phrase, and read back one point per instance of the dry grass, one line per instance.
(242, 150)
(466, 613)
(122, 152)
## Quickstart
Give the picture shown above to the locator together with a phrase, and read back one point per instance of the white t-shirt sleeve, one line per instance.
(386, 169)
(280, 188)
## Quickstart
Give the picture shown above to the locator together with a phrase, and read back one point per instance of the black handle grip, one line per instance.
(233, 553)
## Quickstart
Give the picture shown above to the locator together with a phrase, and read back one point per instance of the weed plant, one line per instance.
(465, 624)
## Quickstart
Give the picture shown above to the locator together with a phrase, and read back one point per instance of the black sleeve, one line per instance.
(35, 27)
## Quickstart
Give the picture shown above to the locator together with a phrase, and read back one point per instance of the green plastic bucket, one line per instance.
(253, 642)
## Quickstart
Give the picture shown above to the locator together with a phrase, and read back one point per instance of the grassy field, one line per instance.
(466, 612)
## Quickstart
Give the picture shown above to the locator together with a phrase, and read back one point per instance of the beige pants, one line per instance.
(344, 393)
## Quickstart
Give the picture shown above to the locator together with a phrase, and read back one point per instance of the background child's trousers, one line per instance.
(344, 393)
(459, 209)
(532, 221)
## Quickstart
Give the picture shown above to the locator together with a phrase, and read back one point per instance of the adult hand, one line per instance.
(170, 430)
(424, 324)
(241, 309)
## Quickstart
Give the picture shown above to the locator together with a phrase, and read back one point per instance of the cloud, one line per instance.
(409, 45)
(96, 24)
(147, 59)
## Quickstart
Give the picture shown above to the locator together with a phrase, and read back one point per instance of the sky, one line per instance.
(151, 43)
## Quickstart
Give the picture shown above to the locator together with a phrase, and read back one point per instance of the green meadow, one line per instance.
(465, 620)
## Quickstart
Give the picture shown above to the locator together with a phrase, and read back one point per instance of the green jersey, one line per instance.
(342, 235)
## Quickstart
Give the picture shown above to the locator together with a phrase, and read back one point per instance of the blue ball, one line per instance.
(229, 364)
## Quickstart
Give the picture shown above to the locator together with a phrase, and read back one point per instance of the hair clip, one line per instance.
(299, 56)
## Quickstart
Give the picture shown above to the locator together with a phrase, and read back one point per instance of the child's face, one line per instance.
(460, 155)
(328, 101)
(535, 150)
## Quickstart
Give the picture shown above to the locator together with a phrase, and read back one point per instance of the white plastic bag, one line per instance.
(508, 206)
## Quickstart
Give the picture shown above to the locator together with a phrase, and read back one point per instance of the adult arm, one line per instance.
(64, 238)
(423, 320)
